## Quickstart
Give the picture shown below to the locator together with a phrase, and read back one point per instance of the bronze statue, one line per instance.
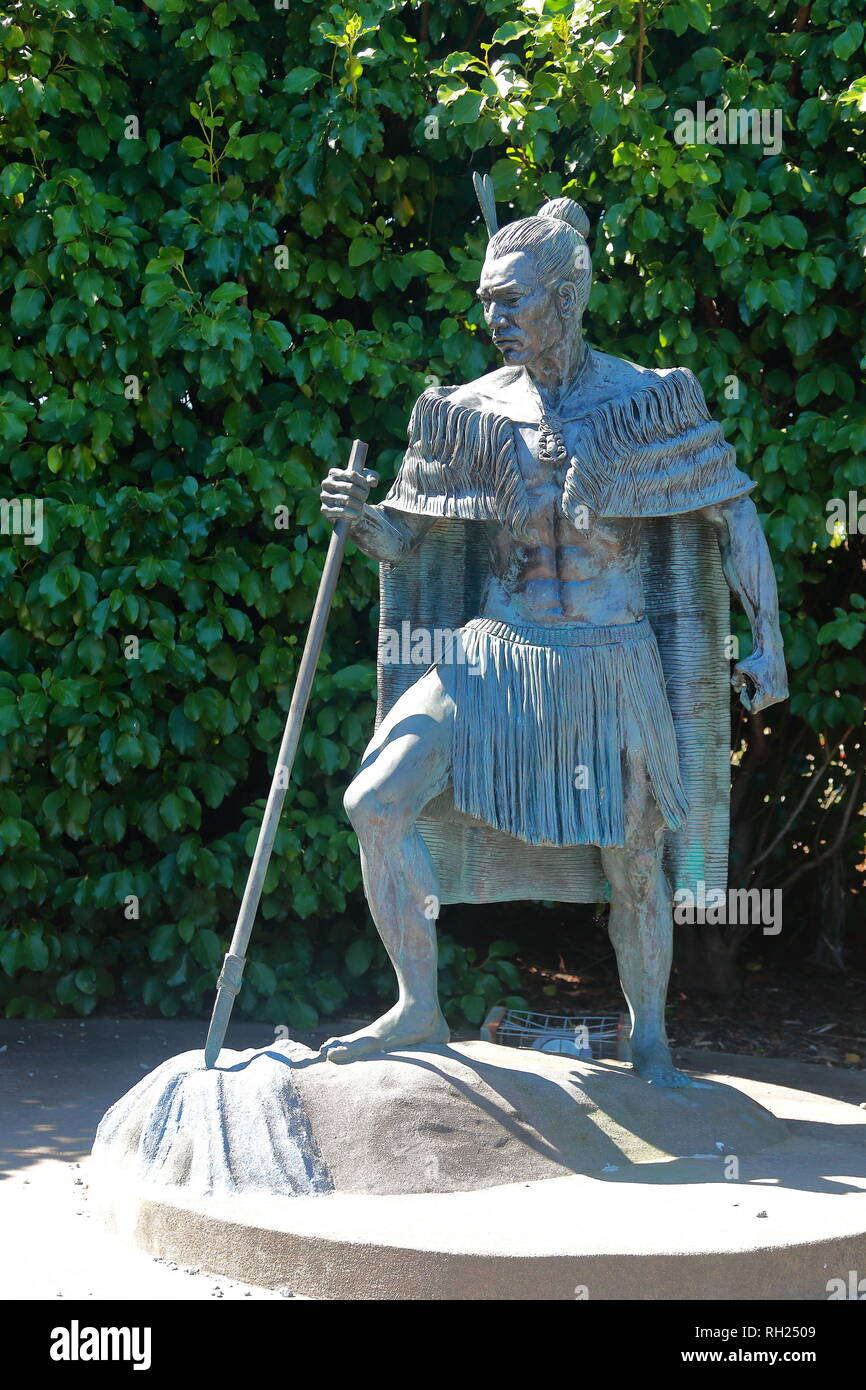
(566, 521)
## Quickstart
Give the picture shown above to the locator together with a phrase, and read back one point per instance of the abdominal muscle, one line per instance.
(565, 575)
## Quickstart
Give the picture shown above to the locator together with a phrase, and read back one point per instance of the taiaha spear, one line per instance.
(231, 975)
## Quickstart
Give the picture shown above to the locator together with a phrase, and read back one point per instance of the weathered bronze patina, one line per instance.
(563, 526)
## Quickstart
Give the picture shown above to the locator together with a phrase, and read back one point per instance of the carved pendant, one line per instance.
(551, 440)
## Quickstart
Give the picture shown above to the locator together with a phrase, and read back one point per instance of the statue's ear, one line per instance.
(566, 294)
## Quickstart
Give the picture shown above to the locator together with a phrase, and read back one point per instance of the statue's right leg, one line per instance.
(405, 766)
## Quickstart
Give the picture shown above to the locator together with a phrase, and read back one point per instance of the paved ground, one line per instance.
(57, 1078)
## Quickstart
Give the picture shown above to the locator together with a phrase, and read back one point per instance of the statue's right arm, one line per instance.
(381, 532)
(387, 535)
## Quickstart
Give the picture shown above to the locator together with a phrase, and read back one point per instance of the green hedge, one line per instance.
(233, 238)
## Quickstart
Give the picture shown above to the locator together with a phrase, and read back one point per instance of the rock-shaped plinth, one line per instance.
(459, 1118)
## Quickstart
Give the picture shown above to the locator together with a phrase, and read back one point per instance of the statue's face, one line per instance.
(526, 318)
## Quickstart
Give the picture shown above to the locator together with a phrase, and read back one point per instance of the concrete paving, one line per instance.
(57, 1078)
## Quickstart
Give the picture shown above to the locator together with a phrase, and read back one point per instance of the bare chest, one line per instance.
(549, 527)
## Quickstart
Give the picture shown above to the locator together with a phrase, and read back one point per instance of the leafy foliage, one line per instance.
(236, 237)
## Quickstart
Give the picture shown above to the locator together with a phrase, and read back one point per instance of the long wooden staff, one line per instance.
(231, 975)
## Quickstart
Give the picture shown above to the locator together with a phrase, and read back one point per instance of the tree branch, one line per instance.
(641, 44)
(814, 862)
(813, 782)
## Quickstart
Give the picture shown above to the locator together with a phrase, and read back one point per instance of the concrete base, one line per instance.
(695, 1237)
(768, 1225)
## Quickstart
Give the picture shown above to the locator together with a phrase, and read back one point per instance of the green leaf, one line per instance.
(300, 80)
(34, 953)
(27, 306)
(114, 822)
(89, 286)
(85, 980)
(359, 957)
(498, 950)
(163, 942)
(707, 59)
(508, 973)
(226, 573)
(262, 978)
(14, 648)
(222, 662)
(513, 29)
(208, 631)
(361, 250)
(59, 584)
(466, 109)
(847, 43)
(301, 1015)
(227, 293)
(157, 291)
(218, 256)
(181, 731)
(354, 678)
(207, 949)
(16, 178)
(130, 749)
(427, 261)
(794, 232)
(604, 117)
(458, 62)
(163, 329)
(473, 1007)
(172, 811)
(93, 141)
(848, 631)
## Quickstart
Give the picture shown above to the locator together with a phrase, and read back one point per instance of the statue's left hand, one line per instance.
(761, 680)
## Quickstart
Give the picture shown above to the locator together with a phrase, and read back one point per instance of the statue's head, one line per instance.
(535, 281)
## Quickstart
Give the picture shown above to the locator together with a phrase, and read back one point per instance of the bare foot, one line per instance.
(401, 1026)
(655, 1065)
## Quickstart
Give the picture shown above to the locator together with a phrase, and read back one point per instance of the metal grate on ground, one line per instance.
(591, 1036)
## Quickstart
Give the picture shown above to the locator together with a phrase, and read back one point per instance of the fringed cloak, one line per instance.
(648, 450)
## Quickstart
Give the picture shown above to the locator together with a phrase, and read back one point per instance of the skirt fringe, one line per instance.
(546, 719)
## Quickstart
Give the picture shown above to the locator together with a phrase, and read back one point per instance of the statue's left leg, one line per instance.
(641, 927)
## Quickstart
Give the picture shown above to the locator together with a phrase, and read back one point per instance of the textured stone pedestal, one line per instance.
(476, 1172)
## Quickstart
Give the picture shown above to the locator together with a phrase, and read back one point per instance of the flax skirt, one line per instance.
(547, 719)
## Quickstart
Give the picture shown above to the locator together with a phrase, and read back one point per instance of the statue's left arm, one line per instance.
(761, 678)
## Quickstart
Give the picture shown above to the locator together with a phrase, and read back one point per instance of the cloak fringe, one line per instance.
(654, 452)
(461, 463)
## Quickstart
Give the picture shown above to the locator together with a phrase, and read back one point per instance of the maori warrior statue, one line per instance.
(568, 522)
